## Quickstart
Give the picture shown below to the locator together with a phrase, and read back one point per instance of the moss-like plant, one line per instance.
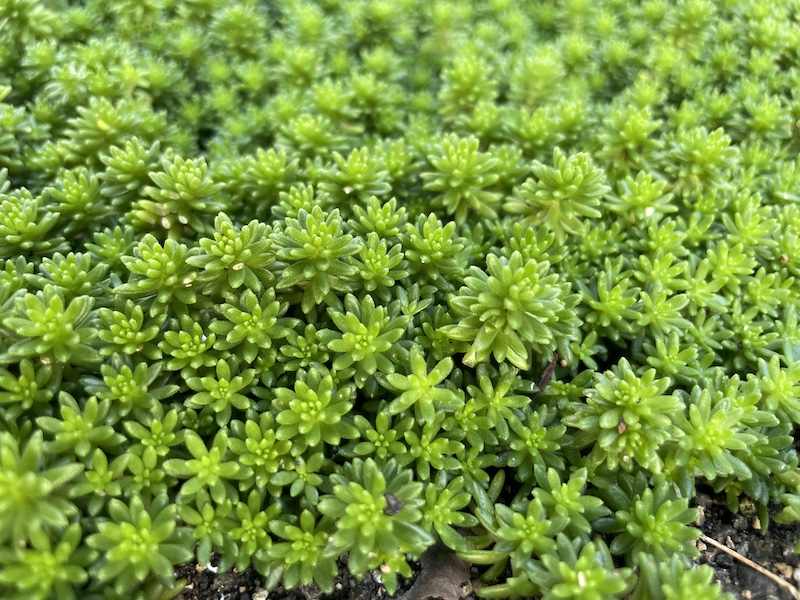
(34, 498)
(44, 325)
(138, 542)
(516, 307)
(378, 511)
(315, 250)
(365, 337)
(317, 285)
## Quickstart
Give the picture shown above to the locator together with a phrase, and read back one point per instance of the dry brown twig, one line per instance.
(547, 375)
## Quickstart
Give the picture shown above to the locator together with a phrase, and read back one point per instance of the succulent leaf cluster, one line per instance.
(307, 285)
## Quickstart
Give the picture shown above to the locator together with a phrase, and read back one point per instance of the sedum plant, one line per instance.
(377, 512)
(461, 174)
(139, 542)
(310, 286)
(34, 496)
(365, 338)
(235, 257)
(586, 573)
(46, 326)
(420, 389)
(47, 569)
(672, 580)
(302, 553)
(206, 470)
(313, 411)
(561, 195)
(182, 192)
(514, 308)
(251, 325)
(315, 250)
(628, 416)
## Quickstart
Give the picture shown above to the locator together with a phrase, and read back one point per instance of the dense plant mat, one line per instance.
(287, 282)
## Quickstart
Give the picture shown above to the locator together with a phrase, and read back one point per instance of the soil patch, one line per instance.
(203, 583)
(742, 533)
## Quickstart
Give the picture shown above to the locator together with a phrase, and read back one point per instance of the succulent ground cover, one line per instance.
(295, 283)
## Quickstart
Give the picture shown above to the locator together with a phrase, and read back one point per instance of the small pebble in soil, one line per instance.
(739, 523)
(701, 516)
(782, 569)
(703, 500)
(743, 548)
(723, 561)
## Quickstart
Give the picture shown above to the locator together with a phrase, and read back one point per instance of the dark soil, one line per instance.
(204, 584)
(742, 533)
